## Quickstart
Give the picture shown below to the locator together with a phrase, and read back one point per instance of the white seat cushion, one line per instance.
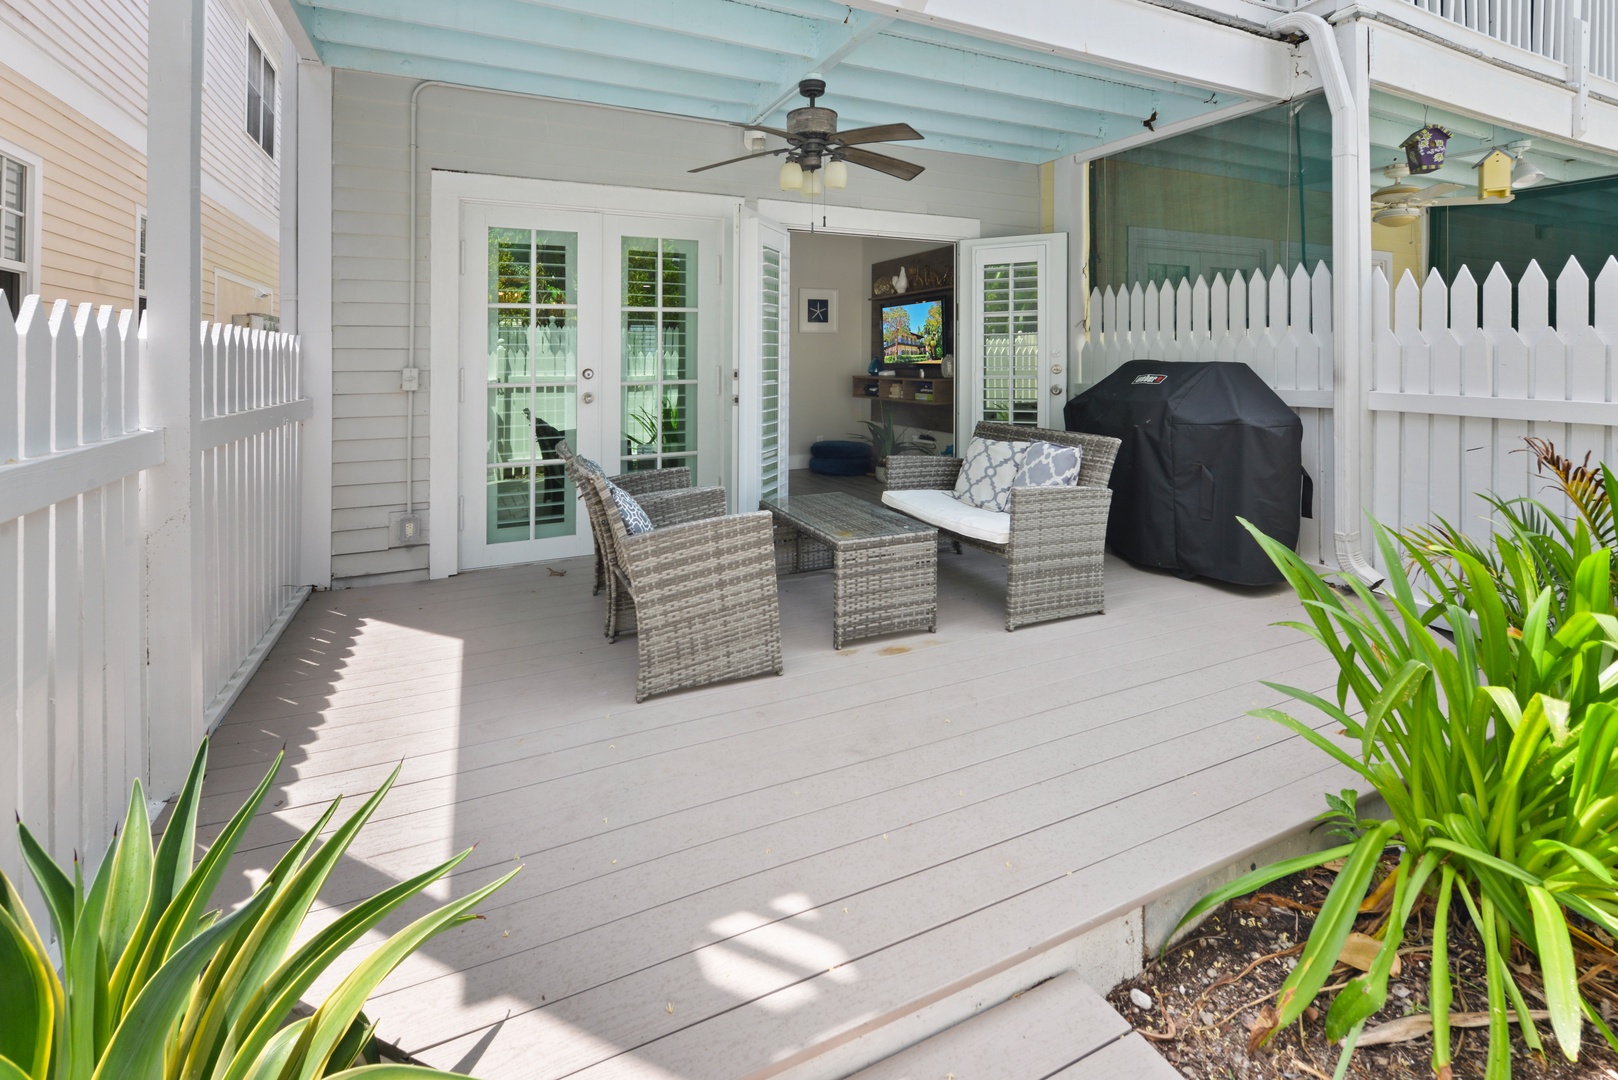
(944, 510)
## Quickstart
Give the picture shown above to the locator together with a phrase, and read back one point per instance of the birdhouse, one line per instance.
(1424, 148)
(1494, 175)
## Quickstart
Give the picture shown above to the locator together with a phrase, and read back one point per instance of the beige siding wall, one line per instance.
(90, 186)
(238, 263)
(486, 133)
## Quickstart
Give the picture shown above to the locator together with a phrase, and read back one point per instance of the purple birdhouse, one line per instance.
(1424, 149)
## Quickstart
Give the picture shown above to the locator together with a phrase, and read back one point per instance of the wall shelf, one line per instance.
(932, 390)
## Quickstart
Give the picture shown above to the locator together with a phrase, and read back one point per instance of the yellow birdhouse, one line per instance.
(1494, 176)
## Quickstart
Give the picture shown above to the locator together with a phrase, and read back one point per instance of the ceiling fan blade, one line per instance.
(744, 157)
(766, 130)
(878, 133)
(882, 163)
(1471, 200)
(1435, 191)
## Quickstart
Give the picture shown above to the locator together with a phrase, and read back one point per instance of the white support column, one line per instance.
(1072, 215)
(313, 195)
(171, 387)
(287, 110)
(1351, 304)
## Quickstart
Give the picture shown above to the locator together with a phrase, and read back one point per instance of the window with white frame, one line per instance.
(14, 229)
(260, 98)
(140, 262)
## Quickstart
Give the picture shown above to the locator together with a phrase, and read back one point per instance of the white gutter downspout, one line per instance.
(1351, 262)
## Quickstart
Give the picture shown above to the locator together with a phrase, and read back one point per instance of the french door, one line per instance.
(1012, 354)
(597, 329)
(762, 377)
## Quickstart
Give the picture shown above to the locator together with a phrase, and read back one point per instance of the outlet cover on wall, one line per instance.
(407, 530)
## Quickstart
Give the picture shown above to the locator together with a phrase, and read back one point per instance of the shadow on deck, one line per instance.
(752, 878)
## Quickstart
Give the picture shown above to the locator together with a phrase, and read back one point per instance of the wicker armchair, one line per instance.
(668, 499)
(1058, 535)
(702, 592)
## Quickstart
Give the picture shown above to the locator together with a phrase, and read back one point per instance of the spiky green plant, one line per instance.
(886, 440)
(156, 984)
(1497, 757)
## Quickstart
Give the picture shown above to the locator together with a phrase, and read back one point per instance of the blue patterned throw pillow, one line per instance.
(1049, 465)
(635, 519)
(986, 477)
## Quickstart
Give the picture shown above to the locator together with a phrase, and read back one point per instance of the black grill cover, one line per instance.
(1202, 444)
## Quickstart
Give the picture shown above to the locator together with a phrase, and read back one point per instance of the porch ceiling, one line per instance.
(740, 61)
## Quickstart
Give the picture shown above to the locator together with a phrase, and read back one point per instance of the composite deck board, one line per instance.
(695, 852)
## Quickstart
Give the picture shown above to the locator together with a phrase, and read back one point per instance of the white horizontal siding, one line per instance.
(485, 133)
(100, 42)
(228, 154)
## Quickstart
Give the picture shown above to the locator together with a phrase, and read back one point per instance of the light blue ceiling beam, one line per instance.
(646, 80)
(559, 33)
(988, 135)
(904, 94)
(931, 65)
(838, 40)
(481, 75)
(935, 35)
(747, 25)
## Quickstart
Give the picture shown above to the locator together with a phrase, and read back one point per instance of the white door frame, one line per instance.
(449, 191)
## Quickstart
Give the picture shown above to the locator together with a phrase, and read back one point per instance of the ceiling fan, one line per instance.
(818, 155)
(1401, 202)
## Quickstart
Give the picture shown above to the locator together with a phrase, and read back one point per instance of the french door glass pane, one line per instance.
(532, 388)
(1011, 342)
(658, 345)
(770, 389)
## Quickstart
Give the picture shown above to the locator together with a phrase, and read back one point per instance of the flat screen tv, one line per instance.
(915, 333)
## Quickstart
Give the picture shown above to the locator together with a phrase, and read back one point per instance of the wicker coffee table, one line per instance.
(885, 565)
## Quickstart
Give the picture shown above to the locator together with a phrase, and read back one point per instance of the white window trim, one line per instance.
(250, 38)
(140, 223)
(29, 267)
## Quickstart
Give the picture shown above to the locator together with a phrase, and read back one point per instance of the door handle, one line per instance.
(588, 398)
(1056, 390)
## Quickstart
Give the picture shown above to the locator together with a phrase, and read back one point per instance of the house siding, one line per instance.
(229, 155)
(487, 133)
(102, 43)
(90, 187)
(239, 248)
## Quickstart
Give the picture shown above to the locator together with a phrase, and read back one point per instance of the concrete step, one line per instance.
(1060, 1028)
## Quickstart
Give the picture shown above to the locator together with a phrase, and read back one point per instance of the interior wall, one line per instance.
(823, 364)
(471, 131)
(1405, 245)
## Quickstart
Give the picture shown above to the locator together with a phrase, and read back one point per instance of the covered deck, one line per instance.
(788, 875)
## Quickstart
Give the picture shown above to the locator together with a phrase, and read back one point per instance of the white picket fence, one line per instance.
(74, 724)
(1456, 382)
(1456, 385)
(1280, 326)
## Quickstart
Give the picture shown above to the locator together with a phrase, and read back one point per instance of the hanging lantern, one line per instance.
(1494, 175)
(1424, 148)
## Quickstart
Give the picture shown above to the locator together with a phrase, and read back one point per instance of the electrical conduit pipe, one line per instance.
(1351, 248)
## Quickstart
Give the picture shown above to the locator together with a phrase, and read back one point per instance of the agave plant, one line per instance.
(885, 440)
(154, 984)
(1497, 757)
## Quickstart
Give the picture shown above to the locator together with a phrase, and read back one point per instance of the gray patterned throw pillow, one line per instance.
(1048, 465)
(986, 477)
(635, 519)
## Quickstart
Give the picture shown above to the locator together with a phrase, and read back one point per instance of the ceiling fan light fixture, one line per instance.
(836, 174)
(1396, 217)
(813, 184)
(791, 176)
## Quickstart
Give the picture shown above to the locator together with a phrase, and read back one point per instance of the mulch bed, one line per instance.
(1209, 992)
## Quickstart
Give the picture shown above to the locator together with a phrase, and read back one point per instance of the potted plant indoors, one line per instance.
(886, 440)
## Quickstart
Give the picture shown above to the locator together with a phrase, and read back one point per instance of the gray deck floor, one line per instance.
(716, 879)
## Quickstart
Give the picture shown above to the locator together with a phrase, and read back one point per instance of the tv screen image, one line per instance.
(913, 333)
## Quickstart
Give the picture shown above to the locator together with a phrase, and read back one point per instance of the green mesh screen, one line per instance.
(1544, 224)
(1250, 194)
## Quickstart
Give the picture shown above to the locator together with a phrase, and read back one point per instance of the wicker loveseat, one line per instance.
(1053, 538)
(701, 592)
